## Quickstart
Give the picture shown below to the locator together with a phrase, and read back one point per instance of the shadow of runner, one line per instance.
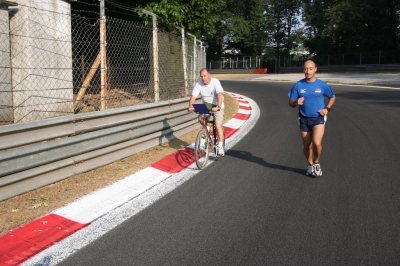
(245, 155)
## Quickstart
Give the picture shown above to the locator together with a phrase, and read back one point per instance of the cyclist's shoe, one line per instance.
(310, 170)
(220, 149)
(317, 169)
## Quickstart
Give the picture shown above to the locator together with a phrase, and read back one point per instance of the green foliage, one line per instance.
(197, 17)
(273, 27)
(284, 14)
(244, 26)
(351, 25)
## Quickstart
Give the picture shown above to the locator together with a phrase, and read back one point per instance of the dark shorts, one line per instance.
(307, 123)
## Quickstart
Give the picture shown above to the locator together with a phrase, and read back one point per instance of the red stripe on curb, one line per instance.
(176, 162)
(243, 101)
(229, 131)
(245, 107)
(242, 116)
(22, 243)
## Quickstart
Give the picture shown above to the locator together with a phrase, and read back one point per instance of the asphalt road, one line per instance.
(256, 206)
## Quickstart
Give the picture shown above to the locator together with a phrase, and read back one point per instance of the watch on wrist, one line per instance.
(327, 108)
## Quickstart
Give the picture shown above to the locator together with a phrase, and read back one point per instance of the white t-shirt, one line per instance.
(209, 92)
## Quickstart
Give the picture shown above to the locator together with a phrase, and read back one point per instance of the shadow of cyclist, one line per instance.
(245, 155)
(168, 139)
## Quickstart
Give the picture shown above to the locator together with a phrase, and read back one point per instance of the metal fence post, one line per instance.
(200, 64)
(103, 56)
(185, 74)
(194, 58)
(155, 56)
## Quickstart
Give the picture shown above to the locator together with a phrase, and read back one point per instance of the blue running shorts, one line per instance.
(307, 123)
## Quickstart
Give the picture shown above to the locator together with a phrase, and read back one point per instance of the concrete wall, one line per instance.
(41, 53)
(6, 111)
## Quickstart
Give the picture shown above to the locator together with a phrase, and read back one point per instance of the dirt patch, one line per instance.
(115, 98)
(24, 208)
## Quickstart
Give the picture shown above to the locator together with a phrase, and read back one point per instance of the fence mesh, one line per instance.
(51, 63)
(297, 60)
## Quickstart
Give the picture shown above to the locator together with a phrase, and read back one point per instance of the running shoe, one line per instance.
(310, 170)
(317, 169)
(220, 149)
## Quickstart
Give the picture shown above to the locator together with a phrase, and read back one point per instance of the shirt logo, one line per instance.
(318, 90)
(303, 91)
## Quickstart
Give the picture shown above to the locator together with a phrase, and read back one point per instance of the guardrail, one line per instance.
(38, 153)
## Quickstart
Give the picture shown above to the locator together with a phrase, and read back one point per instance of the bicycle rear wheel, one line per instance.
(201, 149)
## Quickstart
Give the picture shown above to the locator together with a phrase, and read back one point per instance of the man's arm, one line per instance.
(331, 102)
(328, 107)
(219, 99)
(295, 103)
(191, 102)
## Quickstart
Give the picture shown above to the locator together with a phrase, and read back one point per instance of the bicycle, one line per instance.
(206, 139)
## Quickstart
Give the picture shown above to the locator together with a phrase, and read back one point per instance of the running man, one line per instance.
(211, 92)
(309, 94)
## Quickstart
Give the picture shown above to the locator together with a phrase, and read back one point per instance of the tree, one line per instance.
(315, 20)
(351, 25)
(197, 16)
(245, 26)
(284, 14)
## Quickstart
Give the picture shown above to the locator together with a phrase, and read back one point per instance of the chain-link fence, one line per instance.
(235, 62)
(361, 58)
(297, 60)
(56, 63)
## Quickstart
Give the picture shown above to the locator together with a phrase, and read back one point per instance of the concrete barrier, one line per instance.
(260, 71)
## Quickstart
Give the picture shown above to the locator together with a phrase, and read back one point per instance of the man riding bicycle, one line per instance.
(211, 92)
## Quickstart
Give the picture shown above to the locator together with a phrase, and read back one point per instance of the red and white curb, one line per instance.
(34, 243)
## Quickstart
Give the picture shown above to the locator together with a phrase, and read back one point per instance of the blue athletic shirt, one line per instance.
(313, 93)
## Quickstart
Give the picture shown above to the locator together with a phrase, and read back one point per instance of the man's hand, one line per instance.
(323, 112)
(300, 101)
(215, 109)
(191, 109)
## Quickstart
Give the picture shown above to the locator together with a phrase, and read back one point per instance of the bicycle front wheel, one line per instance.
(201, 149)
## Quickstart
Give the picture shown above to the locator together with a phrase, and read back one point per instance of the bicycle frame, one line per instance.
(214, 138)
(206, 140)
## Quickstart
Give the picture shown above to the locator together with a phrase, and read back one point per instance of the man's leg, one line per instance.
(307, 145)
(307, 150)
(219, 118)
(220, 133)
(317, 136)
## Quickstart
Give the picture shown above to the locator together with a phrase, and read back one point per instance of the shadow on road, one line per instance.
(245, 155)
